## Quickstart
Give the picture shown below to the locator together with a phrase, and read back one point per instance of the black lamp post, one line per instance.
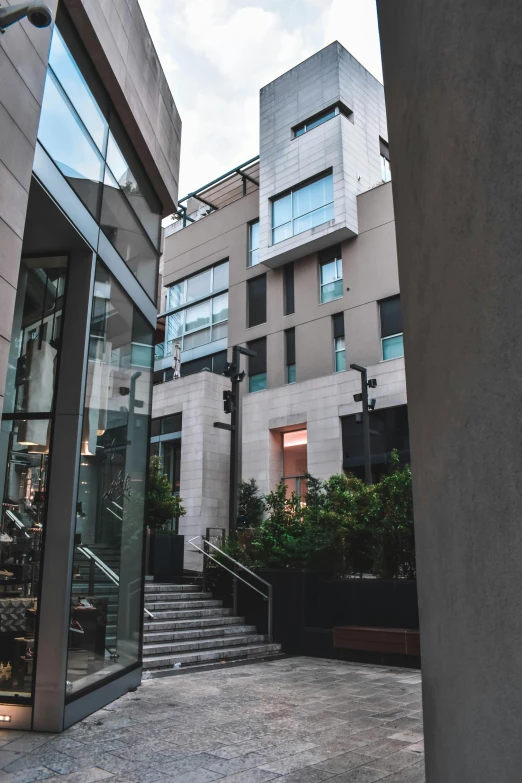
(363, 397)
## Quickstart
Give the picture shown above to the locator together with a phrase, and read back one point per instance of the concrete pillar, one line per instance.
(454, 104)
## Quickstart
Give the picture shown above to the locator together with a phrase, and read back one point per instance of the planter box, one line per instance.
(166, 552)
(397, 641)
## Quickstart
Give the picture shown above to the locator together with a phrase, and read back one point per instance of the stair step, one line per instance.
(194, 624)
(182, 605)
(175, 597)
(198, 633)
(206, 656)
(188, 614)
(202, 644)
(160, 587)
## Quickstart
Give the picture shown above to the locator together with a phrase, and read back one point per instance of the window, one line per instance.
(391, 328)
(295, 462)
(323, 116)
(288, 284)
(388, 431)
(331, 274)
(385, 161)
(339, 345)
(205, 321)
(303, 208)
(256, 290)
(253, 243)
(257, 365)
(290, 355)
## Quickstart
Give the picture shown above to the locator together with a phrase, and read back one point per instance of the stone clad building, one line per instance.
(293, 255)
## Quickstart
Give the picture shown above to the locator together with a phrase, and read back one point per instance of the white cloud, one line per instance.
(217, 54)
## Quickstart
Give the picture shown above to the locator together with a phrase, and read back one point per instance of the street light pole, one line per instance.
(363, 397)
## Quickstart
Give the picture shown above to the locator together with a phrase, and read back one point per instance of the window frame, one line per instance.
(292, 219)
(391, 337)
(252, 250)
(250, 282)
(338, 351)
(338, 262)
(320, 118)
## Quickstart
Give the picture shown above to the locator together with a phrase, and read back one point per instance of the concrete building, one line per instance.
(454, 112)
(293, 255)
(89, 158)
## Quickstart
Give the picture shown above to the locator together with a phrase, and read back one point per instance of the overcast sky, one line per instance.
(217, 54)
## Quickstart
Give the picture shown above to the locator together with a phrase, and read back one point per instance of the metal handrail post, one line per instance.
(234, 604)
(91, 577)
(204, 580)
(270, 615)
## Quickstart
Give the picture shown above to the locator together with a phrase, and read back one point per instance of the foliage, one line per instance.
(162, 506)
(250, 503)
(345, 528)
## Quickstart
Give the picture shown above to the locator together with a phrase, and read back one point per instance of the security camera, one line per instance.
(37, 13)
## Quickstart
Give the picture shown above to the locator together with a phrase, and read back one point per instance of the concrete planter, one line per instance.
(166, 552)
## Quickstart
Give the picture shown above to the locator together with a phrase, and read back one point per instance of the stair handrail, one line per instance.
(113, 576)
(268, 597)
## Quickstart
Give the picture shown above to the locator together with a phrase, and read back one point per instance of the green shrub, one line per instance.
(161, 506)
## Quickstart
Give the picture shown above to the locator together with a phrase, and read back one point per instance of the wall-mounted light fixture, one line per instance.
(5, 719)
(38, 14)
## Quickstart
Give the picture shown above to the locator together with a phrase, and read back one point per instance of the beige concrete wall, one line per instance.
(23, 65)
(317, 404)
(204, 452)
(118, 41)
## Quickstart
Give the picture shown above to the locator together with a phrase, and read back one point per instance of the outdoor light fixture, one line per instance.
(5, 719)
(38, 14)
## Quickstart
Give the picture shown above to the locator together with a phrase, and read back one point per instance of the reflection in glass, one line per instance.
(220, 308)
(69, 146)
(220, 276)
(124, 231)
(304, 208)
(127, 181)
(198, 316)
(199, 285)
(106, 587)
(253, 244)
(393, 347)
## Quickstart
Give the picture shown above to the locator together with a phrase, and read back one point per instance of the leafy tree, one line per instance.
(279, 538)
(162, 505)
(250, 503)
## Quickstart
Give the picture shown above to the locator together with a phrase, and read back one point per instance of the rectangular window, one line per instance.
(253, 243)
(290, 355)
(339, 344)
(288, 284)
(331, 274)
(385, 161)
(256, 289)
(257, 365)
(303, 208)
(391, 328)
(324, 116)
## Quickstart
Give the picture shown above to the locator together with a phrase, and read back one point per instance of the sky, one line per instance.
(217, 54)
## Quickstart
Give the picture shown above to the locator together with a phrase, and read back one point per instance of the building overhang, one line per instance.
(310, 244)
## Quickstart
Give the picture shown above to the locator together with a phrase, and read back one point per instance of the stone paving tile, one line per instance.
(298, 720)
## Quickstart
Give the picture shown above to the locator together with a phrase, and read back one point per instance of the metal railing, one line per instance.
(268, 596)
(97, 562)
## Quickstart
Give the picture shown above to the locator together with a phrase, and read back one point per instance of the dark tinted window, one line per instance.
(196, 365)
(218, 362)
(257, 300)
(391, 316)
(338, 324)
(155, 427)
(171, 424)
(290, 346)
(288, 282)
(257, 364)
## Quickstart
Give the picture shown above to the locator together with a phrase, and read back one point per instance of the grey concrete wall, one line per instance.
(350, 149)
(23, 65)
(118, 41)
(454, 110)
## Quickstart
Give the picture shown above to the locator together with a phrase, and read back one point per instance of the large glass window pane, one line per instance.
(126, 234)
(257, 382)
(328, 272)
(24, 455)
(220, 308)
(196, 339)
(219, 331)
(106, 612)
(331, 291)
(176, 295)
(76, 88)
(69, 146)
(198, 316)
(281, 210)
(127, 181)
(281, 232)
(221, 276)
(35, 337)
(313, 196)
(174, 325)
(393, 347)
(253, 242)
(199, 285)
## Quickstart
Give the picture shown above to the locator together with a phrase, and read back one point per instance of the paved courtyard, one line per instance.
(295, 720)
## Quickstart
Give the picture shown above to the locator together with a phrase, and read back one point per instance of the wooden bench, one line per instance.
(380, 640)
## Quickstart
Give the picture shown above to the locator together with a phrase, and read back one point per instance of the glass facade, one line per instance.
(24, 456)
(81, 141)
(106, 591)
(165, 443)
(303, 208)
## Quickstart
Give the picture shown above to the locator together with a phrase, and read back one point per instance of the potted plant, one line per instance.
(164, 509)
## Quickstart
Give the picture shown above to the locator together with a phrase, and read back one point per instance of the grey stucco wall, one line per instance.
(454, 100)
(350, 149)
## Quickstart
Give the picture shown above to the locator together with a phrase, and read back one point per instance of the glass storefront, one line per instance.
(24, 450)
(106, 585)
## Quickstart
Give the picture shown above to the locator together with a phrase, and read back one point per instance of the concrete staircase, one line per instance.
(190, 627)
